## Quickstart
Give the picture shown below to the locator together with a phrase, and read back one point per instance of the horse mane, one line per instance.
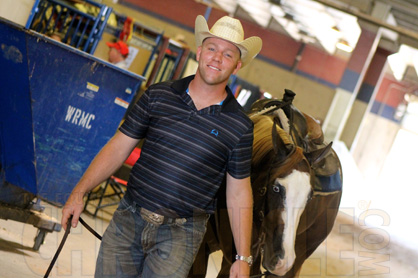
(263, 141)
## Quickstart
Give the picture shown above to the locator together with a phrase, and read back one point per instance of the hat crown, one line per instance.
(229, 28)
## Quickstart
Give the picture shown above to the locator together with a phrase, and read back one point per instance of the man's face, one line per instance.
(114, 55)
(218, 59)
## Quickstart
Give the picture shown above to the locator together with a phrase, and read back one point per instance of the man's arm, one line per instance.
(240, 209)
(107, 161)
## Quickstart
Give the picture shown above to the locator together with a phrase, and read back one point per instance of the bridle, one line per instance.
(260, 209)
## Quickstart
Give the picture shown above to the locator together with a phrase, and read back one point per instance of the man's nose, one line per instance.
(217, 56)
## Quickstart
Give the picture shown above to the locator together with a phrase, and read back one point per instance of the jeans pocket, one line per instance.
(125, 208)
(196, 227)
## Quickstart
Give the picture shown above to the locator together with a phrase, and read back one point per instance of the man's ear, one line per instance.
(239, 65)
(199, 49)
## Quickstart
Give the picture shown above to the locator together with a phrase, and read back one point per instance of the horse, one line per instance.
(297, 186)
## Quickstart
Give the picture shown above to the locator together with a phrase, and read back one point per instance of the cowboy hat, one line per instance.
(229, 29)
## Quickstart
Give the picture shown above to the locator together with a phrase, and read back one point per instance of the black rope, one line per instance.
(90, 229)
(64, 238)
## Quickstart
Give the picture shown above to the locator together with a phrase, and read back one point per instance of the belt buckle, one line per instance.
(153, 217)
(158, 219)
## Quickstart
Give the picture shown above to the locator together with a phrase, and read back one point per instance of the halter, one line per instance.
(263, 191)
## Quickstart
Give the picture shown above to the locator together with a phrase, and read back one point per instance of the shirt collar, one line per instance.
(230, 104)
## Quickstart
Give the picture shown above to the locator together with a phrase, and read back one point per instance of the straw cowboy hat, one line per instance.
(229, 29)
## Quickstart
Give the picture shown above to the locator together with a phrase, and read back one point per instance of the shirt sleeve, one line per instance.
(239, 164)
(137, 121)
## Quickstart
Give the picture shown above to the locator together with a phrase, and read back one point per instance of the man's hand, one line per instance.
(74, 206)
(239, 269)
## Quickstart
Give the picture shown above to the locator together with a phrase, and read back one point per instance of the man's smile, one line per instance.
(214, 68)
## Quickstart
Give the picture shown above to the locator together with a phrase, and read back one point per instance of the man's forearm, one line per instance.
(240, 209)
(106, 162)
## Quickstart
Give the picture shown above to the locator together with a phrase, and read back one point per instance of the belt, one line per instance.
(159, 219)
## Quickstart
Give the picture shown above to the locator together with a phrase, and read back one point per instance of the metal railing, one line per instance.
(80, 29)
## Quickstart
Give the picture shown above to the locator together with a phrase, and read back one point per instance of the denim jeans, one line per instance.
(133, 247)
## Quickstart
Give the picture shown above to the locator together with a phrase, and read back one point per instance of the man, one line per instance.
(118, 52)
(195, 134)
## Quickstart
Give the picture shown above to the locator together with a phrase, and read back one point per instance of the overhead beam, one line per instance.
(369, 18)
(403, 6)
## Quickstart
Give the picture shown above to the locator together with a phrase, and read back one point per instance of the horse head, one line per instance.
(283, 183)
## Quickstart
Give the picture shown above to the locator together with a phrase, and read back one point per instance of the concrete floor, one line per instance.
(349, 251)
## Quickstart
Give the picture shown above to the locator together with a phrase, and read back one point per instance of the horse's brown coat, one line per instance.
(317, 219)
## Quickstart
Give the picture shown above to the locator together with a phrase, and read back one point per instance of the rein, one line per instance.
(64, 238)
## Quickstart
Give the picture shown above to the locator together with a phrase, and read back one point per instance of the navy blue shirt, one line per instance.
(186, 151)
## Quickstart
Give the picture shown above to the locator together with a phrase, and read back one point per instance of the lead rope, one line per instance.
(91, 230)
(64, 238)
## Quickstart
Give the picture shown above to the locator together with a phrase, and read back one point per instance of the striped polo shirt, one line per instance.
(186, 152)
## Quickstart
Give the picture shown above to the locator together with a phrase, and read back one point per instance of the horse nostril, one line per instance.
(272, 263)
(280, 263)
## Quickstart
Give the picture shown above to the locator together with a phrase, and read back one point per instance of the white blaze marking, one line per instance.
(298, 187)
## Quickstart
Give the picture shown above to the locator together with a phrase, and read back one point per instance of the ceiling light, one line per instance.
(398, 65)
(337, 32)
(344, 46)
(398, 62)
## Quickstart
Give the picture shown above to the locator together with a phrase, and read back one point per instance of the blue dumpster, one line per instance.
(58, 107)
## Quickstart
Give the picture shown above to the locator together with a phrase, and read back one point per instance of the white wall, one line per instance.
(16, 10)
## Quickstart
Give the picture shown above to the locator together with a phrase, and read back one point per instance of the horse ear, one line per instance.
(280, 148)
(316, 156)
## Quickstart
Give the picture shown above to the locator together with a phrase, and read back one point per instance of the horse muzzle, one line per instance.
(278, 266)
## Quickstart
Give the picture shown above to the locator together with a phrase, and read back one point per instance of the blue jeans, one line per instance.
(133, 247)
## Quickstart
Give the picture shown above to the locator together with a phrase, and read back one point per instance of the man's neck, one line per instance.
(204, 95)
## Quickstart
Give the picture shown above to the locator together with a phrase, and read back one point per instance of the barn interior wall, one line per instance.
(16, 10)
(375, 141)
(314, 86)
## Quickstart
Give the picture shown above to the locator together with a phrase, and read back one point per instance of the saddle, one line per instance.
(307, 133)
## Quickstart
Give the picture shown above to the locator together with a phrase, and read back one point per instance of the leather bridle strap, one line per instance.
(64, 238)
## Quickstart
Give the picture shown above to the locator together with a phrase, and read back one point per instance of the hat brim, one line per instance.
(249, 47)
